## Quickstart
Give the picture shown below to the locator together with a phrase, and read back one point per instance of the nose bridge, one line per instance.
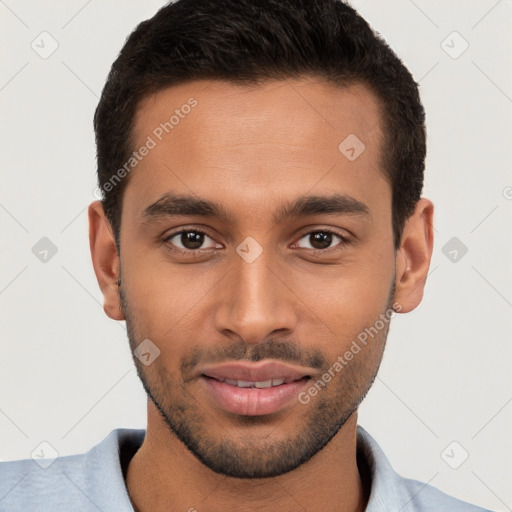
(255, 302)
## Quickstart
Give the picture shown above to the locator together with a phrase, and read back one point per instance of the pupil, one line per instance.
(192, 239)
(320, 240)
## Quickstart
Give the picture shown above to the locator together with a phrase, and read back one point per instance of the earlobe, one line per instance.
(105, 259)
(414, 256)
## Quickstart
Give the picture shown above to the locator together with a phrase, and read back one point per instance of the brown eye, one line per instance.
(190, 240)
(319, 240)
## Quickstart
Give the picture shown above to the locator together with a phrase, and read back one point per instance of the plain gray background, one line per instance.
(444, 389)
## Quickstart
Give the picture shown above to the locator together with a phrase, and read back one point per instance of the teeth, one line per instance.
(263, 384)
(251, 384)
(243, 383)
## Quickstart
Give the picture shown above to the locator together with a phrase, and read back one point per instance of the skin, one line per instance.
(254, 150)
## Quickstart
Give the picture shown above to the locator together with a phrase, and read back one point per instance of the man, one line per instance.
(261, 164)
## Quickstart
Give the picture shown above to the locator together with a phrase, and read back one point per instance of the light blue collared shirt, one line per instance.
(94, 481)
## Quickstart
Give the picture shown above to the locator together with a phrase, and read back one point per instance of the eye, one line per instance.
(320, 240)
(190, 240)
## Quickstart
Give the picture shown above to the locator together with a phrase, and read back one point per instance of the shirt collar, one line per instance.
(116, 450)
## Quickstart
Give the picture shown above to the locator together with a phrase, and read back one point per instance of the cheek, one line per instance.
(166, 303)
(351, 300)
(162, 290)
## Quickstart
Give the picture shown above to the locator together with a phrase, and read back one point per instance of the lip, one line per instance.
(257, 372)
(252, 401)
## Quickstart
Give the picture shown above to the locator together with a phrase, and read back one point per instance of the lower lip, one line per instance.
(253, 401)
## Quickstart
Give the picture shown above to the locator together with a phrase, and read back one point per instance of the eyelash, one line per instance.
(196, 252)
(186, 252)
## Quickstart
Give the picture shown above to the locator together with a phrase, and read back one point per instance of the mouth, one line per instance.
(254, 389)
(262, 384)
(264, 373)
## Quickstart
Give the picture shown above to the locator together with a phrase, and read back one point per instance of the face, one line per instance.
(254, 249)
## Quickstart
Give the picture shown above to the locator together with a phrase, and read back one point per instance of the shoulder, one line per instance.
(421, 497)
(88, 481)
(26, 485)
(390, 491)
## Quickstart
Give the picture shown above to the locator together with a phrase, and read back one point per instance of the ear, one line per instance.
(105, 259)
(413, 256)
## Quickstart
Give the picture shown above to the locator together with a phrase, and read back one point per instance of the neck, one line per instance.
(164, 476)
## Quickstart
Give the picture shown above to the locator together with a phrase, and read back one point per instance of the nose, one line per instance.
(255, 302)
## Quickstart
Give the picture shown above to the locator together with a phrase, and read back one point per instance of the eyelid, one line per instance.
(345, 240)
(167, 237)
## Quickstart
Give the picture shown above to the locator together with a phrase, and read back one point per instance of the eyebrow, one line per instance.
(172, 205)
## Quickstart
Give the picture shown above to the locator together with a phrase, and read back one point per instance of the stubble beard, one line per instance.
(249, 454)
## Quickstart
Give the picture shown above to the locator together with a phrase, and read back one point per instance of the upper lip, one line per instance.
(256, 372)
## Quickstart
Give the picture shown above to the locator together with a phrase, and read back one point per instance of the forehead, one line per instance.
(260, 141)
(290, 106)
